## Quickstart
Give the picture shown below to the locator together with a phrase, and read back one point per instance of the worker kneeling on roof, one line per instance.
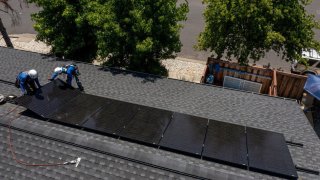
(28, 82)
(71, 70)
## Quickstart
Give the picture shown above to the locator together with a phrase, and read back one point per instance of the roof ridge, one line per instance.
(152, 75)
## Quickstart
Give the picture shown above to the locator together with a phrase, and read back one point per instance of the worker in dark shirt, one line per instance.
(28, 82)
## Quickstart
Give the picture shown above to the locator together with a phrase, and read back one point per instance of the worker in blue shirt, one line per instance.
(57, 71)
(71, 70)
(28, 81)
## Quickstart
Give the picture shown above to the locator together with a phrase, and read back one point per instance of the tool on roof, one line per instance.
(4, 99)
(76, 162)
(13, 153)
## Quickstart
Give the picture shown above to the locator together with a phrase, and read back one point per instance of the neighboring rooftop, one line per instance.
(108, 158)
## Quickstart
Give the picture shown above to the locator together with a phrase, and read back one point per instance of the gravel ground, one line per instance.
(27, 42)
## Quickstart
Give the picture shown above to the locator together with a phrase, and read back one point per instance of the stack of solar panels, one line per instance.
(240, 146)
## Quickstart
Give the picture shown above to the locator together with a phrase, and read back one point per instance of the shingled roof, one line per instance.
(108, 158)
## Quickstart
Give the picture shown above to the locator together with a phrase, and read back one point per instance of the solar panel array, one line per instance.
(248, 148)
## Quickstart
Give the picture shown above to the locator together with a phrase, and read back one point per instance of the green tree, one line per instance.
(131, 34)
(247, 29)
(138, 33)
(62, 25)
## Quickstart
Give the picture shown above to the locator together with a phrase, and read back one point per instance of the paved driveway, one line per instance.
(25, 25)
(192, 27)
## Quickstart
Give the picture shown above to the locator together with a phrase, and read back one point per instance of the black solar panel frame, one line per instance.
(79, 109)
(69, 93)
(109, 113)
(48, 92)
(180, 128)
(127, 133)
(261, 159)
(226, 144)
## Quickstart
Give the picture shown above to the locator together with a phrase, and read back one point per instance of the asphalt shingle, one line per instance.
(243, 108)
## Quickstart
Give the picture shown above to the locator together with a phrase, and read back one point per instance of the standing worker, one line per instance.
(71, 70)
(28, 81)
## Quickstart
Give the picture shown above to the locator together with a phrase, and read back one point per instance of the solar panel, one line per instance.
(226, 143)
(261, 151)
(112, 118)
(147, 126)
(79, 109)
(185, 134)
(268, 153)
(49, 98)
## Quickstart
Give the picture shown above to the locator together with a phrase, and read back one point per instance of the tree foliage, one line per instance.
(129, 33)
(62, 24)
(247, 29)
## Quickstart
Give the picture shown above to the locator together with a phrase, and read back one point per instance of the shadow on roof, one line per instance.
(145, 76)
(113, 70)
(32, 114)
(51, 57)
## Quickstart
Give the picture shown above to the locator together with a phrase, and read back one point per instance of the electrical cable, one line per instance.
(12, 150)
(106, 153)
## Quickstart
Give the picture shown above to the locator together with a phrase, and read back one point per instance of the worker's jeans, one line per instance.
(71, 70)
(69, 79)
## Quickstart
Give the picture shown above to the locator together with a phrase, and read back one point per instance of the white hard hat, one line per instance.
(33, 74)
(58, 70)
